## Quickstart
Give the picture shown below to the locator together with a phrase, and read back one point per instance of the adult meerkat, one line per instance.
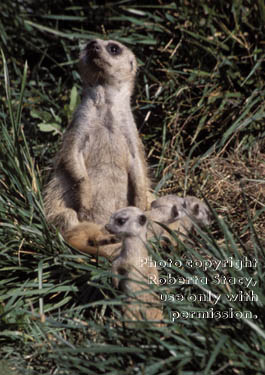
(101, 165)
(130, 224)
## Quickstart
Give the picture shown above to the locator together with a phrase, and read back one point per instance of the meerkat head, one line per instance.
(168, 209)
(128, 222)
(107, 62)
(198, 210)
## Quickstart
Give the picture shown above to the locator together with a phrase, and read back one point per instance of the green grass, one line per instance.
(199, 106)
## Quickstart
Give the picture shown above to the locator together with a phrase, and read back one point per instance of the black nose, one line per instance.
(93, 47)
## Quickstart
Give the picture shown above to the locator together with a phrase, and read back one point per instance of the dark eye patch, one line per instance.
(113, 49)
(120, 221)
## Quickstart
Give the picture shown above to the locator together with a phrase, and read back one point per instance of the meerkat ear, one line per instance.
(153, 204)
(132, 65)
(174, 212)
(184, 204)
(142, 219)
(196, 209)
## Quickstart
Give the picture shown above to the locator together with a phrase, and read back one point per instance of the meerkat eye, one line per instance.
(113, 49)
(120, 221)
(142, 219)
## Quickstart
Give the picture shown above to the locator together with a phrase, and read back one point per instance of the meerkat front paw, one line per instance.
(106, 239)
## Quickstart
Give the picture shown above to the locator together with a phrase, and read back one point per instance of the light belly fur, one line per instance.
(109, 173)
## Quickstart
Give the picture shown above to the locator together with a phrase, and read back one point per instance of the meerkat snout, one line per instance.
(93, 47)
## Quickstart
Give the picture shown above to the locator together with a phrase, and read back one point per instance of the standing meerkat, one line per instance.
(130, 224)
(101, 164)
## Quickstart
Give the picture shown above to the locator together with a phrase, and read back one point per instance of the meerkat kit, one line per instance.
(179, 214)
(129, 275)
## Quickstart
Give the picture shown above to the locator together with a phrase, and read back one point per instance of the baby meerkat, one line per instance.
(166, 210)
(197, 210)
(101, 164)
(130, 224)
(179, 214)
